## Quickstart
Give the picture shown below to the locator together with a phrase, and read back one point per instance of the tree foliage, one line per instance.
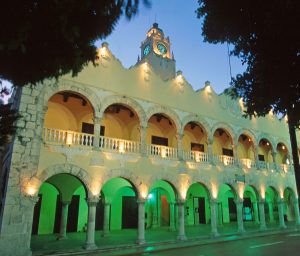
(46, 39)
(266, 36)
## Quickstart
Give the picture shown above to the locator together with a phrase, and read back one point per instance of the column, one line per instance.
(296, 207)
(280, 203)
(97, 121)
(180, 147)
(172, 218)
(90, 233)
(262, 214)
(213, 217)
(106, 217)
(255, 209)
(63, 220)
(274, 160)
(235, 155)
(143, 134)
(271, 215)
(141, 221)
(181, 231)
(220, 213)
(239, 210)
(210, 151)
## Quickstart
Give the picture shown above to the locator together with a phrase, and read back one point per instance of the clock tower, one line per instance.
(155, 50)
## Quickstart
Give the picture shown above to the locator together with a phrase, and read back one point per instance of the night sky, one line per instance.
(199, 61)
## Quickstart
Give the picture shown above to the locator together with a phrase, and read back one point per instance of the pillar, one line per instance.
(297, 215)
(172, 218)
(63, 220)
(90, 233)
(180, 146)
(262, 214)
(255, 209)
(280, 203)
(235, 155)
(220, 213)
(143, 134)
(274, 160)
(141, 221)
(210, 151)
(181, 230)
(239, 210)
(106, 217)
(213, 216)
(271, 215)
(97, 127)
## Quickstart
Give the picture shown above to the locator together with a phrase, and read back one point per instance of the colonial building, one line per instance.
(116, 148)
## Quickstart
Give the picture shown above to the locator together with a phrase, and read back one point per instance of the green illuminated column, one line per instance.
(97, 121)
(63, 220)
(181, 231)
(220, 214)
(271, 215)
(106, 219)
(172, 219)
(262, 214)
(239, 210)
(143, 132)
(90, 233)
(280, 203)
(296, 207)
(213, 216)
(141, 221)
(255, 209)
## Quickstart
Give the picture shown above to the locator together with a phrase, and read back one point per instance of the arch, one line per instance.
(197, 119)
(292, 191)
(224, 126)
(252, 189)
(273, 190)
(132, 178)
(249, 133)
(284, 142)
(74, 170)
(167, 111)
(266, 137)
(234, 190)
(204, 186)
(169, 179)
(114, 99)
(64, 85)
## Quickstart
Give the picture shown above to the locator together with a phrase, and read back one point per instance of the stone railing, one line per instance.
(119, 145)
(247, 163)
(57, 136)
(162, 151)
(69, 138)
(226, 160)
(195, 156)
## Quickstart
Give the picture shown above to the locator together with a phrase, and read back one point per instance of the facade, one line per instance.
(138, 148)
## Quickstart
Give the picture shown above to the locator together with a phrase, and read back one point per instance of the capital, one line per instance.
(93, 200)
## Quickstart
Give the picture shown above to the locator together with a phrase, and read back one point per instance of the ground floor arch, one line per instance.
(61, 207)
(160, 210)
(271, 206)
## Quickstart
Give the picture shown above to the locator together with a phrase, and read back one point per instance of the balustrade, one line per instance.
(162, 151)
(195, 156)
(119, 145)
(57, 136)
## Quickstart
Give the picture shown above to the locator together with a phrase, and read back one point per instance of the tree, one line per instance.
(47, 39)
(266, 37)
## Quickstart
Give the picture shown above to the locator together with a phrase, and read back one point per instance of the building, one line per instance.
(117, 148)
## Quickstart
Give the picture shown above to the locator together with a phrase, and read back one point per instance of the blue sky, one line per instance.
(199, 61)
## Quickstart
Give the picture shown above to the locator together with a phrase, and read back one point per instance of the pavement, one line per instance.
(122, 242)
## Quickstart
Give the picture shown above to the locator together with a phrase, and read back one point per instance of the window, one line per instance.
(227, 152)
(261, 158)
(197, 147)
(89, 128)
(159, 140)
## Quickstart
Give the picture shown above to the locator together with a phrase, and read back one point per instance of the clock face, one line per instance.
(162, 49)
(146, 50)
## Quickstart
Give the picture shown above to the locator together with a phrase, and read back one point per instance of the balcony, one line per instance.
(196, 156)
(84, 140)
(66, 137)
(162, 151)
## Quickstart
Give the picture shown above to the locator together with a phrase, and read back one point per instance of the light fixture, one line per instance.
(150, 196)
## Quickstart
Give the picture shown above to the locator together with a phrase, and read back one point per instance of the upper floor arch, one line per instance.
(224, 126)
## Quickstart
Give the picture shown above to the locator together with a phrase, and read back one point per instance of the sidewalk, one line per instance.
(122, 242)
